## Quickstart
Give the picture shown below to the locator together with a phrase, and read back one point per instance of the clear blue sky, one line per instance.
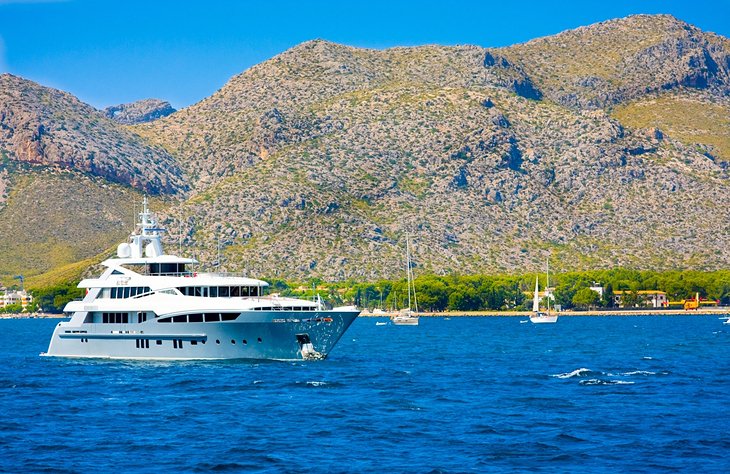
(182, 51)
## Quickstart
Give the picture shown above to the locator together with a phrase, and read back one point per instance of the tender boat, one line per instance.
(148, 305)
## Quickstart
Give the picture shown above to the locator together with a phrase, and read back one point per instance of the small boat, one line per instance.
(406, 316)
(542, 316)
(381, 323)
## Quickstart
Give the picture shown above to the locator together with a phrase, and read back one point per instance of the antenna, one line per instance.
(218, 245)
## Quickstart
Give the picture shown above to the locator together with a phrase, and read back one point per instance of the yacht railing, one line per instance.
(195, 274)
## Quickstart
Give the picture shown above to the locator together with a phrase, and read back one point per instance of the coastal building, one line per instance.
(11, 297)
(597, 288)
(644, 298)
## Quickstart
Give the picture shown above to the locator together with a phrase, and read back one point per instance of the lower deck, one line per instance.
(282, 336)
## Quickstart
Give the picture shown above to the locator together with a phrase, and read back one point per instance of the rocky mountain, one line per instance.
(618, 60)
(603, 146)
(48, 127)
(141, 111)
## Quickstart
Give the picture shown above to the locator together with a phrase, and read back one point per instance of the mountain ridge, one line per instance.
(317, 161)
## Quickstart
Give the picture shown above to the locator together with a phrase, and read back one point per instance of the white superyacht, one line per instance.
(148, 305)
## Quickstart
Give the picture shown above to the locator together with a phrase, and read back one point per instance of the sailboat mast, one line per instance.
(408, 270)
(547, 283)
(413, 284)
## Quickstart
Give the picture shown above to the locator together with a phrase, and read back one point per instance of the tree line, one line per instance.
(478, 292)
(514, 292)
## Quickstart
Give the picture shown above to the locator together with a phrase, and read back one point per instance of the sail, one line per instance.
(536, 299)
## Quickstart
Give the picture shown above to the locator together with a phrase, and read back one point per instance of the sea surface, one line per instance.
(492, 394)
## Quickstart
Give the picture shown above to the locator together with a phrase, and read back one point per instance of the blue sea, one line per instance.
(588, 394)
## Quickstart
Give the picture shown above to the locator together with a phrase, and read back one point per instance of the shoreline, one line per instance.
(724, 310)
(33, 316)
(620, 312)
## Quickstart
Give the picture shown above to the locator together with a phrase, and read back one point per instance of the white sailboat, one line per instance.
(407, 316)
(540, 316)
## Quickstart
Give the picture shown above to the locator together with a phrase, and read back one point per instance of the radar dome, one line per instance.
(152, 250)
(124, 250)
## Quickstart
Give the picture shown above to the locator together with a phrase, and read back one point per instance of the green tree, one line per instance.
(564, 296)
(433, 294)
(630, 299)
(464, 298)
(12, 308)
(585, 298)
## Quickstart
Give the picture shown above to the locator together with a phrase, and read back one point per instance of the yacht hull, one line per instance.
(542, 319)
(277, 335)
(405, 321)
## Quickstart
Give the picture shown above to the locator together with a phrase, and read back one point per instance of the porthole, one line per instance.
(260, 340)
(245, 342)
(217, 341)
(233, 341)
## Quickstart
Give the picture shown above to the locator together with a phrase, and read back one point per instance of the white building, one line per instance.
(21, 297)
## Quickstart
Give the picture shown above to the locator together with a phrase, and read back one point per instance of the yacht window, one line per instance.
(105, 293)
(141, 317)
(205, 292)
(214, 292)
(193, 343)
(159, 342)
(133, 291)
(195, 318)
(126, 292)
(235, 291)
(212, 317)
(233, 341)
(183, 318)
(115, 318)
(117, 272)
(164, 320)
(198, 291)
(224, 292)
(229, 316)
(244, 342)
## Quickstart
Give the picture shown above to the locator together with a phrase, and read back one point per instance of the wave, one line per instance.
(638, 372)
(576, 373)
(605, 382)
